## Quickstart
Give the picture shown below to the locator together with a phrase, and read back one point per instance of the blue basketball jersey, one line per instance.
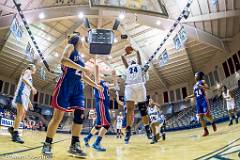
(69, 90)
(102, 95)
(199, 92)
(71, 73)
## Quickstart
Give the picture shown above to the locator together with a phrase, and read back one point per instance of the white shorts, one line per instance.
(135, 92)
(230, 105)
(119, 125)
(21, 99)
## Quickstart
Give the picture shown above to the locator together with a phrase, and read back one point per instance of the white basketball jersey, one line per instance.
(227, 96)
(135, 74)
(119, 120)
(22, 87)
(154, 114)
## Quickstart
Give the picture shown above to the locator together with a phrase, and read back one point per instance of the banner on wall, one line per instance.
(177, 42)
(182, 35)
(42, 73)
(16, 29)
(29, 51)
(163, 58)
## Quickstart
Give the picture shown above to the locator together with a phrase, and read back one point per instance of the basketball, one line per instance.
(128, 50)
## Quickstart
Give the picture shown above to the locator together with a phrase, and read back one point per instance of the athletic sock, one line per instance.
(147, 128)
(98, 140)
(49, 140)
(89, 136)
(75, 139)
(15, 129)
(128, 128)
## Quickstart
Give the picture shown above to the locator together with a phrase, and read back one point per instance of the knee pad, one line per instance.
(78, 116)
(97, 127)
(142, 108)
(106, 127)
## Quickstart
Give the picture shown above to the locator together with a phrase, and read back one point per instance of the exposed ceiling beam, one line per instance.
(61, 39)
(66, 12)
(213, 16)
(7, 9)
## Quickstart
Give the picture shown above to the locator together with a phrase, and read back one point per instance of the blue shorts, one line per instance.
(124, 122)
(202, 106)
(68, 95)
(103, 115)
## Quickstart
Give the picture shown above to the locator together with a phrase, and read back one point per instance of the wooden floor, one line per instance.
(181, 145)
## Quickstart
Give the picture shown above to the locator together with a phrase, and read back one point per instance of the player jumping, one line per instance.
(135, 92)
(202, 106)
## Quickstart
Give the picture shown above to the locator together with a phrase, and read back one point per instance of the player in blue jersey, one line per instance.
(202, 106)
(103, 119)
(68, 95)
(22, 101)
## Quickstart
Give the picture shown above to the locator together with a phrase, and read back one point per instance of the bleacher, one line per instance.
(182, 120)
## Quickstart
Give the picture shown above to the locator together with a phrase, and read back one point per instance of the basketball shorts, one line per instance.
(135, 92)
(103, 115)
(230, 105)
(22, 99)
(68, 95)
(202, 106)
(119, 125)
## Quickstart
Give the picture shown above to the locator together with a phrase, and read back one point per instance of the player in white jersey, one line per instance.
(135, 92)
(21, 100)
(157, 120)
(228, 96)
(119, 122)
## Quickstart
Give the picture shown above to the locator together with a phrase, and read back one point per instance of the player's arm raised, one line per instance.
(118, 100)
(90, 82)
(124, 60)
(139, 60)
(114, 84)
(66, 61)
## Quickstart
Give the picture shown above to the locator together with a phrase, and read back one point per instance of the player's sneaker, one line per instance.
(98, 147)
(16, 138)
(86, 141)
(164, 136)
(214, 127)
(127, 136)
(158, 136)
(149, 135)
(10, 130)
(47, 149)
(205, 133)
(154, 140)
(230, 123)
(75, 149)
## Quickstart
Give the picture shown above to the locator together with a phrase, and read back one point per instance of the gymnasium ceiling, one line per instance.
(209, 27)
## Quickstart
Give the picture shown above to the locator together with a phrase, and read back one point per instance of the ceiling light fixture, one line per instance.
(41, 15)
(121, 16)
(115, 40)
(158, 22)
(80, 15)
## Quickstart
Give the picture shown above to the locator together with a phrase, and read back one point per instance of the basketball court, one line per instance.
(184, 145)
